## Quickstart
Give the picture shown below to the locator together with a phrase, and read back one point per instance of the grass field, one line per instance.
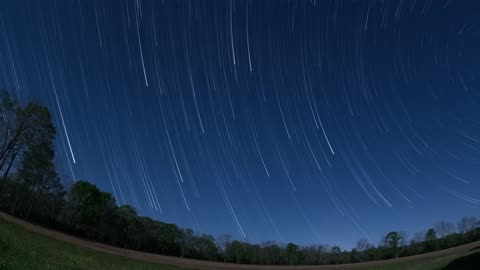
(24, 249)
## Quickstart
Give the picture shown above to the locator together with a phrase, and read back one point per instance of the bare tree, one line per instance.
(362, 245)
(467, 224)
(444, 228)
(222, 241)
(403, 238)
(20, 127)
(419, 237)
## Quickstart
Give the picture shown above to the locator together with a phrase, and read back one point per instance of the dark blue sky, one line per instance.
(304, 121)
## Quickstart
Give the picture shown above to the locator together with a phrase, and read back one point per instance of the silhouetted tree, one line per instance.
(431, 235)
(128, 226)
(293, 254)
(22, 129)
(205, 247)
(362, 246)
(222, 241)
(8, 130)
(418, 237)
(444, 228)
(467, 224)
(30, 188)
(87, 208)
(392, 241)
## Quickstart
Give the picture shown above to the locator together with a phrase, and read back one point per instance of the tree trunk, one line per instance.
(14, 206)
(4, 177)
(4, 158)
(35, 198)
(4, 146)
(138, 244)
(14, 193)
(125, 241)
(11, 144)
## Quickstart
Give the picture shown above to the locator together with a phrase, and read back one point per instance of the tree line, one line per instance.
(31, 189)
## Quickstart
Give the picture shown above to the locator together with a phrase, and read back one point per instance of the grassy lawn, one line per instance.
(430, 264)
(440, 263)
(21, 249)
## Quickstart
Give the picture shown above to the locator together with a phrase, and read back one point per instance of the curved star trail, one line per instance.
(303, 121)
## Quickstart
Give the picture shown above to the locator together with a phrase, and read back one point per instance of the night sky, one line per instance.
(303, 121)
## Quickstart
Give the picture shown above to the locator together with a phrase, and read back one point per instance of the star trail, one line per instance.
(304, 121)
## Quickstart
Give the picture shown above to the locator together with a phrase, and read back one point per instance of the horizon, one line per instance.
(303, 122)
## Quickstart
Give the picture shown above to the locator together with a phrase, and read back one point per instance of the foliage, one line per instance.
(21, 249)
(31, 189)
(393, 240)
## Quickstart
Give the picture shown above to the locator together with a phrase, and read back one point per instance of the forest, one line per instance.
(31, 189)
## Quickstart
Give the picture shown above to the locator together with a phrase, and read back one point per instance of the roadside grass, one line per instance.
(22, 249)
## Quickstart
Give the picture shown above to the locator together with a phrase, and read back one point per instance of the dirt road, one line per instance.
(197, 264)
